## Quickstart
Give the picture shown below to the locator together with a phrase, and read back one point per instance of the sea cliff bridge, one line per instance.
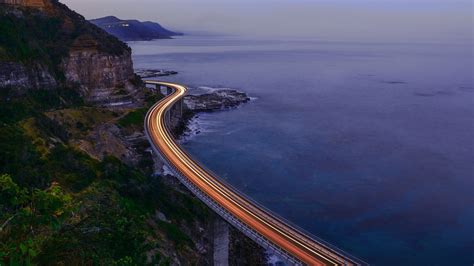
(252, 219)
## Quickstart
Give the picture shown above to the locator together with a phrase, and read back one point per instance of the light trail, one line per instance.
(274, 230)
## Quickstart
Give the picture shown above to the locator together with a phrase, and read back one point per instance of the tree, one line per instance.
(28, 218)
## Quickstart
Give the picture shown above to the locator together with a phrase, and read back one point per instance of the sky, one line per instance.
(382, 20)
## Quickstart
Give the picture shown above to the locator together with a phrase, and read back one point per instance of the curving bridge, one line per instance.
(249, 217)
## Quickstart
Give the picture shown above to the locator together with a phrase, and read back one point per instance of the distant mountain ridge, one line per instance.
(133, 30)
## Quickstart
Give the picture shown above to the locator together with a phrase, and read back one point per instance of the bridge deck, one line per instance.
(249, 217)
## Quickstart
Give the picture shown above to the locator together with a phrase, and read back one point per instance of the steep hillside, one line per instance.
(76, 179)
(133, 30)
(44, 45)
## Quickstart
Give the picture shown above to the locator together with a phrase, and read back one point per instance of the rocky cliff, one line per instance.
(76, 179)
(44, 45)
(21, 77)
(103, 78)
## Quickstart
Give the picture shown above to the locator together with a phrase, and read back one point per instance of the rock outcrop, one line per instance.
(48, 46)
(183, 112)
(217, 100)
(19, 77)
(153, 73)
(103, 79)
(44, 45)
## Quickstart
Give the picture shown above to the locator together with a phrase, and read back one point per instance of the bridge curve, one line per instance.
(249, 217)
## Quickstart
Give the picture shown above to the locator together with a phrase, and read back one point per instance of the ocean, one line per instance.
(368, 146)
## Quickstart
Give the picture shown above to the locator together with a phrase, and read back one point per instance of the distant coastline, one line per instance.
(133, 30)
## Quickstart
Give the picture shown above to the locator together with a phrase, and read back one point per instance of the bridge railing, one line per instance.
(308, 237)
(234, 221)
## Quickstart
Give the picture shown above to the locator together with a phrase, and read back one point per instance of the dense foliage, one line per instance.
(58, 205)
(31, 37)
(134, 118)
(17, 44)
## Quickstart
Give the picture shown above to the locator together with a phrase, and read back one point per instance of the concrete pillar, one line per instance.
(168, 118)
(179, 108)
(221, 242)
(169, 90)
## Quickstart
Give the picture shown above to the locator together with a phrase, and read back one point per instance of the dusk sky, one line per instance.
(123, 142)
(381, 20)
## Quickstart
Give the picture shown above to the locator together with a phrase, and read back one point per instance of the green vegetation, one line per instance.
(52, 226)
(41, 40)
(58, 205)
(15, 35)
(79, 121)
(17, 44)
(34, 37)
(134, 118)
(23, 210)
(175, 234)
(13, 108)
(152, 98)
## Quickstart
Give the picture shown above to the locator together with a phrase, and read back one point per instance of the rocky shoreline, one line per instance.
(241, 249)
(152, 73)
(129, 144)
(220, 99)
(208, 102)
(72, 135)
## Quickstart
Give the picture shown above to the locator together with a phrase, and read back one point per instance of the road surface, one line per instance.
(292, 241)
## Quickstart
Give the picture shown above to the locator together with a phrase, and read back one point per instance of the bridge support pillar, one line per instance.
(221, 242)
(159, 88)
(179, 107)
(168, 118)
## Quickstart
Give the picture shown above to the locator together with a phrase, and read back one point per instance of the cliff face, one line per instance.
(44, 45)
(102, 78)
(84, 171)
(20, 77)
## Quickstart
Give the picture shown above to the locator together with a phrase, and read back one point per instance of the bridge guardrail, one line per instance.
(234, 220)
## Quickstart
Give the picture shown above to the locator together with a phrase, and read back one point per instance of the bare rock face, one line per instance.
(81, 56)
(16, 75)
(103, 79)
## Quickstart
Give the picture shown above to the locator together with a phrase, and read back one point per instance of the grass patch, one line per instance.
(133, 119)
(31, 130)
(79, 121)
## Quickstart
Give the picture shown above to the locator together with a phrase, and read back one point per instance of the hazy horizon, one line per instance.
(381, 20)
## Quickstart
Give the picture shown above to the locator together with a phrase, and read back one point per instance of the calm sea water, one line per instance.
(368, 146)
